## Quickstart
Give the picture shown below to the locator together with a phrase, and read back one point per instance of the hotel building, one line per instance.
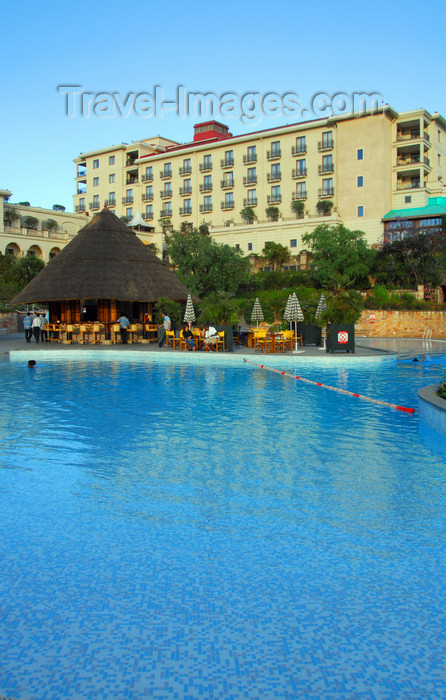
(355, 169)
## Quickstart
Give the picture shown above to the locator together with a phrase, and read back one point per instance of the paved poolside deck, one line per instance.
(16, 341)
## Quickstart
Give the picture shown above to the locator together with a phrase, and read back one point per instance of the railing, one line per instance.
(110, 202)
(227, 205)
(326, 169)
(227, 184)
(127, 200)
(250, 202)
(273, 177)
(326, 192)
(250, 180)
(205, 208)
(166, 194)
(325, 145)
(298, 173)
(252, 158)
(274, 198)
(146, 216)
(164, 174)
(408, 161)
(94, 205)
(79, 207)
(298, 196)
(185, 210)
(165, 213)
(185, 190)
(205, 167)
(408, 186)
(146, 178)
(227, 163)
(274, 154)
(206, 188)
(147, 197)
(84, 174)
(186, 171)
(298, 150)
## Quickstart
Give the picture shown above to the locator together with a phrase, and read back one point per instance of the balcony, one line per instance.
(250, 158)
(227, 163)
(298, 150)
(250, 180)
(274, 154)
(147, 178)
(299, 196)
(227, 205)
(185, 211)
(110, 202)
(165, 174)
(131, 180)
(205, 167)
(165, 213)
(206, 188)
(227, 184)
(273, 177)
(204, 208)
(146, 216)
(274, 199)
(250, 202)
(128, 199)
(166, 194)
(185, 191)
(326, 192)
(148, 197)
(413, 135)
(82, 174)
(415, 185)
(186, 170)
(298, 173)
(325, 145)
(94, 205)
(326, 169)
(81, 190)
(79, 207)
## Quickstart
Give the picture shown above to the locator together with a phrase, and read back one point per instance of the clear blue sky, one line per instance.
(395, 49)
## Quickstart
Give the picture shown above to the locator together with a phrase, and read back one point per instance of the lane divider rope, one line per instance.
(333, 388)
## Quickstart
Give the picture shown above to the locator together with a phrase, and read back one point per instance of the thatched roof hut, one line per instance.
(105, 266)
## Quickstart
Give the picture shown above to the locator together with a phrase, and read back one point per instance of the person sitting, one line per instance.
(210, 337)
(189, 337)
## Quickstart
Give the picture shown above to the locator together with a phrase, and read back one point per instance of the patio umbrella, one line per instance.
(189, 314)
(286, 313)
(257, 313)
(319, 311)
(295, 314)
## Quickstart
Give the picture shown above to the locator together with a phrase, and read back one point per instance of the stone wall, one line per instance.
(401, 324)
(10, 323)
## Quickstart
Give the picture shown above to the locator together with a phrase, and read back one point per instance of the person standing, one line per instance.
(123, 322)
(165, 325)
(42, 328)
(27, 325)
(36, 328)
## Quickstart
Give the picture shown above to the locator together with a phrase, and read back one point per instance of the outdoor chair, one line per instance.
(288, 341)
(220, 341)
(132, 333)
(84, 331)
(70, 330)
(95, 332)
(259, 341)
(171, 340)
(115, 333)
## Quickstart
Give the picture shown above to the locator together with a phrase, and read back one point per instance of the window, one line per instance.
(95, 182)
(129, 213)
(111, 178)
(207, 161)
(360, 181)
(327, 164)
(360, 154)
(149, 191)
(95, 200)
(207, 203)
(149, 211)
(111, 199)
(301, 144)
(168, 209)
(275, 149)
(407, 199)
(229, 157)
(229, 199)
(187, 207)
(252, 176)
(168, 189)
(252, 197)
(237, 246)
(301, 167)
(301, 190)
(327, 139)
(228, 179)
(252, 154)
(96, 163)
(249, 246)
(293, 243)
(187, 167)
(111, 160)
(275, 194)
(149, 172)
(327, 186)
(82, 204)
(129, 196)
(207, 183)
(167, 170)
(275, 171)
(361, 211)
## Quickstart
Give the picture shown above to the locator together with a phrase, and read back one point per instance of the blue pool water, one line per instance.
(174, 531)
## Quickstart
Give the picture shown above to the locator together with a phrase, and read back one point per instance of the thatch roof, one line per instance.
(106, 260)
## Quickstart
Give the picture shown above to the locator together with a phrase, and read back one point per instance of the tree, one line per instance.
(25, 204)
(337, 251)
(298, 207)
(28, 267)
(275, 254)
(324, 206)
(51, 225)
(30, 222)
(273, 213)
(58, 207)
(248, 215)
(205, 266)
(10, 215)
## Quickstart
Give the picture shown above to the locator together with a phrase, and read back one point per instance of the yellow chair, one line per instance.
(171, 340)
(116, 329)
(95, 331)
(288, 340)
(70, 330)
(259, 341)
(84, 331)
(132, 333)
(220, 341)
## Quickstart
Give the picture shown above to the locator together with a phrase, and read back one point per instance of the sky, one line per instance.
(120, 52)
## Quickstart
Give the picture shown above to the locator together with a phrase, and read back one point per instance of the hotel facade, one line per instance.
(356, 170)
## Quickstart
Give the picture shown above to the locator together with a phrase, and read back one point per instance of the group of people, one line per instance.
(35, 326)
(209, 335)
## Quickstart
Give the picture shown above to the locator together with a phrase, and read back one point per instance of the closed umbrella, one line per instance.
(286, 313)
(257, 313)
(189, 314)
(319, 311)
(295, 314)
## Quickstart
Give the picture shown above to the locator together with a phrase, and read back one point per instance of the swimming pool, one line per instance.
(190, 531)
